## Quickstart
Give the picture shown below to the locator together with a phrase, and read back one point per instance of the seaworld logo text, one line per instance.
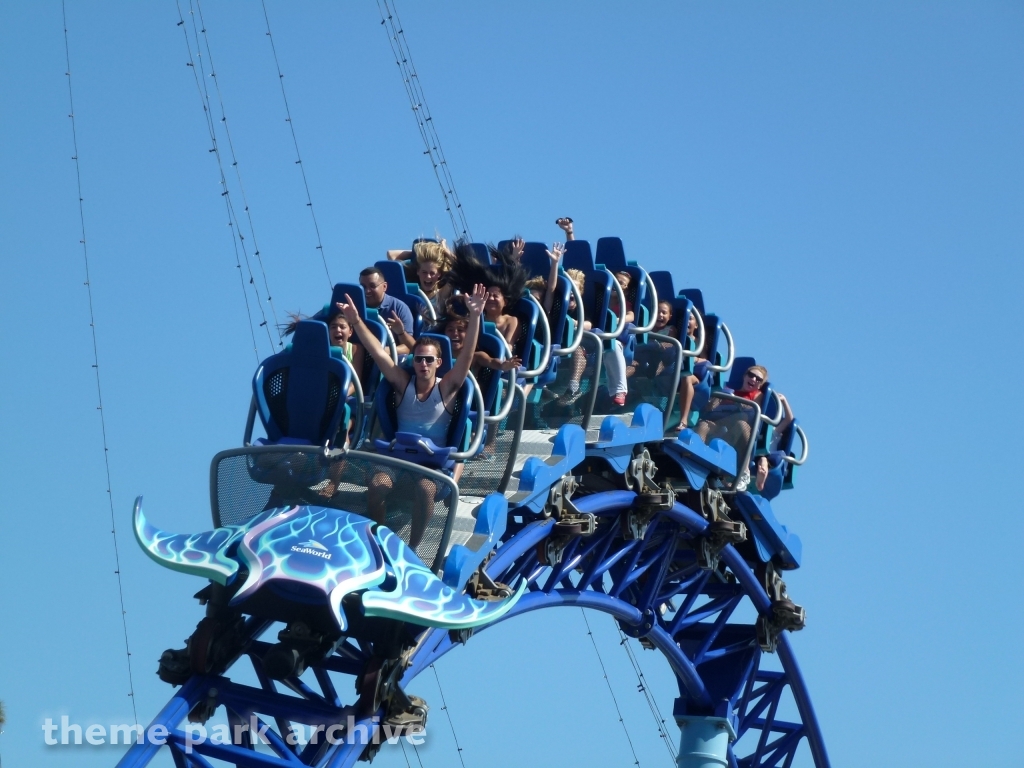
(312, 548)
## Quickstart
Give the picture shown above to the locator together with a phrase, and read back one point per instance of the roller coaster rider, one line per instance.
(424, 401)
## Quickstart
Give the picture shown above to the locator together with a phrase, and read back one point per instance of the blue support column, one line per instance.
(704, 741)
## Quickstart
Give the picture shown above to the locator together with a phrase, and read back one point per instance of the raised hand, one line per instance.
(518, 246)
(475, 300)
(395, 324)
(565, 224)
(348, 310)
(556, 252)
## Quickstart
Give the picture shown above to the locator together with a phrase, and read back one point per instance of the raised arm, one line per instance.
(555, 255)
(395, 374)
(399, 255)
(453, 380)
(565, 224)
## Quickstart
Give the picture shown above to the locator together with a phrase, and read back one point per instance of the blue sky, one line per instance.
(845, 182)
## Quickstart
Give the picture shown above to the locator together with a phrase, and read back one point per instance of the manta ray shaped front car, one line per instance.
(336, 552)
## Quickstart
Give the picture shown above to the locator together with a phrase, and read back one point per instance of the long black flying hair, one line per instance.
(506, 273)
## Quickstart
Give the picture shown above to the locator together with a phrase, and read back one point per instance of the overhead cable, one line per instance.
(424, 121)
(608, 682)
(642, 688)
(96, 364)
(295, 142)
(444, 707)
(234, 164)
(195, 63)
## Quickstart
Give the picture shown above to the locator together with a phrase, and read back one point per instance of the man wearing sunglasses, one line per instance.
(424, 404)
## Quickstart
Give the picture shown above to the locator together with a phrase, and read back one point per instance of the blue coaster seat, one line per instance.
(300, 393)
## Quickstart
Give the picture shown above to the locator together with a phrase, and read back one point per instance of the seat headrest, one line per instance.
(311, 342)
(694, 295)
(535, 258)
(662, 280)
(578, 256)
(481, 252)
(611, 253)
(394, 275)
(355, 290)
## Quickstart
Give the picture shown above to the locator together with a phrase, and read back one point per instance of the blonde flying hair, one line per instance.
(433, 253)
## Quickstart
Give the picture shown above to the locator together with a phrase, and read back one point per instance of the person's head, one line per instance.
(339, 330)
(755, 377)
(455, 329)
(374, 286)
(624, 279)
(537, 286)
(495, 303)
(580, 280)
(664, 314)
(426, 358)
(432, 261)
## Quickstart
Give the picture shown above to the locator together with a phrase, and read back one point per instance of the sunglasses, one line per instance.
(754, 377)
(428, 359)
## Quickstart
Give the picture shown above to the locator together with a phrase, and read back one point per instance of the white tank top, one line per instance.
(428, 418)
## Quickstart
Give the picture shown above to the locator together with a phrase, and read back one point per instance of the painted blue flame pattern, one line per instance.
(200, 554)
(330, 551)
(422, 598)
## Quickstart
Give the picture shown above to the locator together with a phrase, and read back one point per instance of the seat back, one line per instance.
(695, 296)
(597, 294)
(578, 256)
(534, 259)
(490, 381)
(481, 252)
(300, 393)
(663, 284)
(525, 345)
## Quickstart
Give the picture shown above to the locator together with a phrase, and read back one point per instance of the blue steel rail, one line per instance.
(659, 554)
(601, 572)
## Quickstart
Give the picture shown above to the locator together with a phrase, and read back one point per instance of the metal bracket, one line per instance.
(647, 622)
(783, 614)
(640, 474)
(721, 530)
(569, 521)
(651, 497)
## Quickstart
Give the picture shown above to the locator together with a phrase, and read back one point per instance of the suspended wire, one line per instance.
(652, 703)
(238, 172)
(615, 701)
(424, 122)
(96, 365)
(401, 743)
(444, 707)
(199, 75)
(295, 141)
